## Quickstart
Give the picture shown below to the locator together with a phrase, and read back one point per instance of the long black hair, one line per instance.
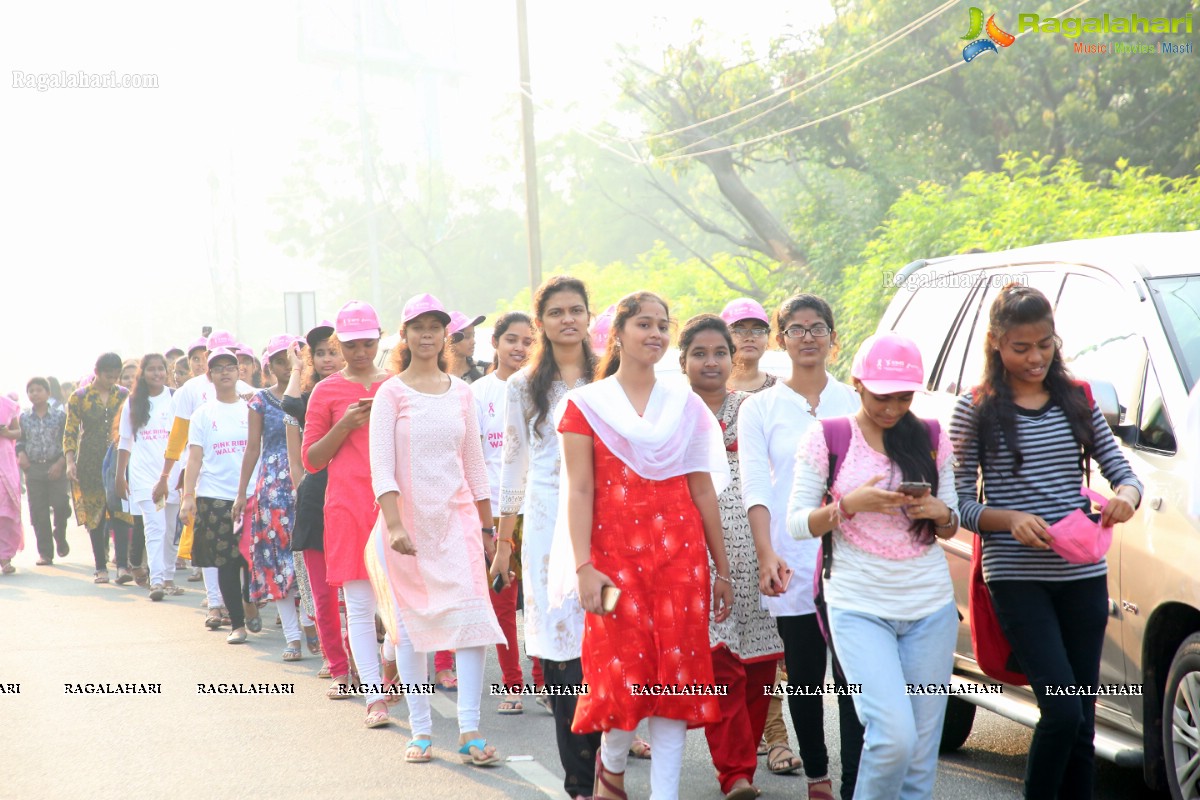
(543, 369)
(627, 308)
(139, 400)
(995, 409)
(908, 446)
(505, 322)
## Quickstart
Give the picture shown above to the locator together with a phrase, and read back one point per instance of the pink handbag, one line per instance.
(1080, 539)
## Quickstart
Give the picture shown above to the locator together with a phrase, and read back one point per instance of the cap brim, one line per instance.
(317, 334)
(355, 335)
(733, 318)
(442, 315)
(892, 387)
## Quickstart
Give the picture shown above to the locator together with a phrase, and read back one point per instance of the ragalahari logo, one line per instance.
(995, 36)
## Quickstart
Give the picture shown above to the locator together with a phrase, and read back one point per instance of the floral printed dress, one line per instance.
(273, 508)
(88, 431)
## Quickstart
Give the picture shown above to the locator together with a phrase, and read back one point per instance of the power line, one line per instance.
(843, 112)
(866, 52)
(863, 55)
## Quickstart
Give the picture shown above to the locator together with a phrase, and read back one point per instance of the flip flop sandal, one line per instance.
(124, 576)
(377, 719)
(174, 591)
(292, 652)
(742, 793)
(324, 672)
(449, 684)
(313, 641)
(213, 620)
(421, 745)
(510, 705)
(391, 691)
(543, 700)
(333, 692)
(820, 790)
(640, 748)
(786, 765)
(763, 748)
(481, 760)
(101, 577)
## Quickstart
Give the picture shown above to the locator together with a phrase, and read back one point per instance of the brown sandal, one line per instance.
(611, 792)
(782, 765)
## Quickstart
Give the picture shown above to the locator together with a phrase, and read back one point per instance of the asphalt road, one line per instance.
(57, 628)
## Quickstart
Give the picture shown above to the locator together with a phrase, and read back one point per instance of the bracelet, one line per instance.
(723, 578)
(953, 523)
(581, 566)
(511, 544)
(842, 513)
(188, 494)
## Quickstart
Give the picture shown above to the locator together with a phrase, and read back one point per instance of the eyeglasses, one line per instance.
(750, 333)
(220, 368)
(818, 331)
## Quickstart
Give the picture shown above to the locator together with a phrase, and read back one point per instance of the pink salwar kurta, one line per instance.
(12, 534)
(427, 448)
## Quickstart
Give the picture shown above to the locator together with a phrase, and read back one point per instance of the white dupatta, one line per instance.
(676, 436)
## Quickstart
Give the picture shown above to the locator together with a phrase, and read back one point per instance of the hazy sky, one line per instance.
(121, 202)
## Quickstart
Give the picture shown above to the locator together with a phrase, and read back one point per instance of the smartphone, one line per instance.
(498, 584)
(787, 578)
(913, 488)
(609, 596)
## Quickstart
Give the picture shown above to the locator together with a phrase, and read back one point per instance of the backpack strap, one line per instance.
(837, 442)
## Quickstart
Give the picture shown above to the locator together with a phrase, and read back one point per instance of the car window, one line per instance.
(1046, 281)
(930, 313)
(1178, 301)
(1154, 426)
(1100, 340)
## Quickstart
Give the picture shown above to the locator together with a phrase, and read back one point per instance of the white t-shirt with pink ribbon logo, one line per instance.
(490, 392)
(221, 430)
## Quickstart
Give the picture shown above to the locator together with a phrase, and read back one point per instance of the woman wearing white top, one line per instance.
(890, 600)
(529, 479)
(512, 338)
(217, 436)
(145, 425)
(771, 424)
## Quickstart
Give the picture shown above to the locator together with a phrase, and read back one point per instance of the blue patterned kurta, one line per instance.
(272, 571)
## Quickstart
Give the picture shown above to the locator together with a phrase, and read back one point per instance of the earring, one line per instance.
(618, 344)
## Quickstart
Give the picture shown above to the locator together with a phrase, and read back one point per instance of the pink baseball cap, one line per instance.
(424, 304)
(601, 326)
(198, 344)
(220, 352)
(744, 308)
(278, 343)
(357, 320)
(460, 322)
(221, 339)
(888, 363)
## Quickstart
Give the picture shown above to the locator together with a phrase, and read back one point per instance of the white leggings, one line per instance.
(414, 670)
(211, 587)
(667, 737)
(286, 606)
(360, 628)
(160, 545)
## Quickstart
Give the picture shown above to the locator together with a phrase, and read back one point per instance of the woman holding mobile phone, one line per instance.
(891, 605)
(746, 646)
(644, 464)
(335, 437)
(770, 425)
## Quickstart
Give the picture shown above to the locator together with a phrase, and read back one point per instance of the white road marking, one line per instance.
(539, 776)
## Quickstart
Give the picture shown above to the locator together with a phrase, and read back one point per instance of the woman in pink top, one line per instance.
(335, 436)
(427, 553)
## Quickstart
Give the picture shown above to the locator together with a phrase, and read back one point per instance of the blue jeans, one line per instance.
(900, 749)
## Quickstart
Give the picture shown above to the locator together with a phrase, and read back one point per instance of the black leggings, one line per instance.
(1056, 629)
(804, 653)
(229, 578)
(576, 751)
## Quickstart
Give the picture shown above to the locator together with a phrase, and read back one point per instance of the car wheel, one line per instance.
(960, 717)
(1181, 717)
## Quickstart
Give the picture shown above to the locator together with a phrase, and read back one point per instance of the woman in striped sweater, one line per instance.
(1027, 429)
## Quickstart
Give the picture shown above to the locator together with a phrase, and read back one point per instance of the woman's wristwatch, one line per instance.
(953, 523)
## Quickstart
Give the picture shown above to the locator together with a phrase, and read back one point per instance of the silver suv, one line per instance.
(1127, 309)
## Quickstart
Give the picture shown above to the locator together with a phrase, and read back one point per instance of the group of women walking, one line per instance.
(680, 545)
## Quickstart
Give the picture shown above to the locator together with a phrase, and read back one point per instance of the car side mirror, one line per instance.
(1110, 407)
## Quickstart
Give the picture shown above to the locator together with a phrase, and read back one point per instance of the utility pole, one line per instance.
(533, 231)
(368, 163)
